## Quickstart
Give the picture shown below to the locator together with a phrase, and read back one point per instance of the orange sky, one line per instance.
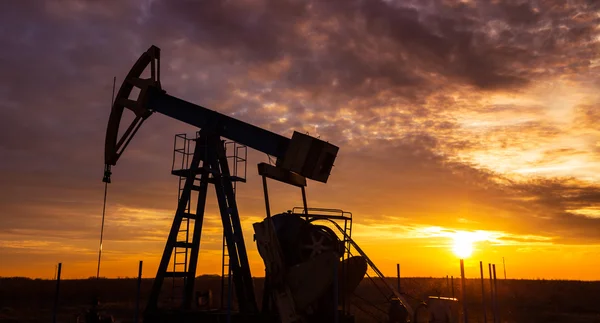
(451, 117)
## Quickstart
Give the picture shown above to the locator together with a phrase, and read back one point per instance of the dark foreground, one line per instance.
(26, 300)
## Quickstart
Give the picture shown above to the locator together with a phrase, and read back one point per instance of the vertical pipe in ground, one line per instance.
(137, 296)
(497, 317)
(482, 293)
(57, 292)
(452, 285)
(398, 277)
(492, 294)
(463, 291)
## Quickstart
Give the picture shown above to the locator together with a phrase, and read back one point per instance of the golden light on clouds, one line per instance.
(534, 132)
(592, 213)
(445, 237)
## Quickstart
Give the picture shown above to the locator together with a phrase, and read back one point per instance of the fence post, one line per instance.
(57, 292)
(496, 294)
(137, 297)
(493, 298)
(482, 292)
(463, 291)
(398, 275)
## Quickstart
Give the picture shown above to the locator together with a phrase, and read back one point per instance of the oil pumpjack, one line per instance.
(309, 268)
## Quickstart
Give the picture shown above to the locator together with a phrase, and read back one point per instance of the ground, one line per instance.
(27, 300)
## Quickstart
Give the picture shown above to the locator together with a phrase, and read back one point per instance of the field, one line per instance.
(27, 300)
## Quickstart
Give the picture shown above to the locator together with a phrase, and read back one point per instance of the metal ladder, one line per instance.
(182, 154)
(181, 250)
(237, 159)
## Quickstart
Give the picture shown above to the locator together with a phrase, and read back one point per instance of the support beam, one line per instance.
(236, 247)
(252, 136)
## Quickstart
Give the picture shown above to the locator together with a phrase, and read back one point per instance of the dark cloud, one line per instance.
(363, 46)
(519, 13)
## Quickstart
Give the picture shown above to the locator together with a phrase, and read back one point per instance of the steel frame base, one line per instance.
(210, 162)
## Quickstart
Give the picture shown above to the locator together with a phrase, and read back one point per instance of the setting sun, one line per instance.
(463, 245)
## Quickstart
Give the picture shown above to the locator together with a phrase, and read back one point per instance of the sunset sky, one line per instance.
(473, 119)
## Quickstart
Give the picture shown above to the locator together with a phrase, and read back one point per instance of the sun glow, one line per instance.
(463, 245)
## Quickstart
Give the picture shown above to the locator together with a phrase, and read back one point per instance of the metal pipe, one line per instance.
(482, 292)
(266, 191)
(398, 275)
(492, 294)
(452, 285)
(102, 230)
(504, 265)
(57, 292)
(304, 202)
(496, 294)
(137, 296)
(269, 233)
(463, 291)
